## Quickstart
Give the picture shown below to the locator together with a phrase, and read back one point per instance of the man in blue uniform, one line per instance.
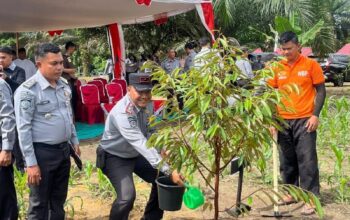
(8, 200)
(123, 150)
(45, 128)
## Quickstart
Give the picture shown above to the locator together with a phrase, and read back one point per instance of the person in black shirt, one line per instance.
(14, 75)
(69, 72)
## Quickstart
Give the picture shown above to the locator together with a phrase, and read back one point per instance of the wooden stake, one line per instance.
(17, 44)
(275, 172)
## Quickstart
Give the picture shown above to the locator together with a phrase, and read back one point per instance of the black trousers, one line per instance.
(8, 199)
(119, 171)
(46, 201)
(298, 156)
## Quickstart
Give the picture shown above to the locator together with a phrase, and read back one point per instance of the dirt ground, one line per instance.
(96, 209)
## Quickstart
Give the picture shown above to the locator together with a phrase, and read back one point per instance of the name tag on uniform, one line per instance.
(44, 102)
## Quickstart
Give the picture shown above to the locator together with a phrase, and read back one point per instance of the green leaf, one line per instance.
(250, 201)
(294, 21)
(310, 35)
(282, 24)
(204, 104)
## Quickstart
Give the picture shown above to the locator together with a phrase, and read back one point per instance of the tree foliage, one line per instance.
(149, 38)
(251, 20)
(219, 121)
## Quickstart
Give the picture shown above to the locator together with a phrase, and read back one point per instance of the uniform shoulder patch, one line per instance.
(130, 109)
(132, 121)
(64, 80)
(29, 83)
(26, 100)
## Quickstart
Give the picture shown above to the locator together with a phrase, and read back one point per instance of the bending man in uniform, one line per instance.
(8, 199)
(298, 138)
(45, 127)
(124, 152)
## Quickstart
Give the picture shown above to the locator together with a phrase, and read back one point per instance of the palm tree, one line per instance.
(340, 15)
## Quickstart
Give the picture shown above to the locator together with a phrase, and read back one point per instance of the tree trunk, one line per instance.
(217, 182)
(85, 59)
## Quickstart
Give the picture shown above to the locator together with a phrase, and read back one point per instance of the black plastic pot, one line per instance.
(169, 194)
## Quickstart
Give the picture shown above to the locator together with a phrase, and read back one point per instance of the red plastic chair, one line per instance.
(114, 92)
(122, 82)
(78, 110)
(91, 110)
(103, 80)
(102, 93)
(107, 107)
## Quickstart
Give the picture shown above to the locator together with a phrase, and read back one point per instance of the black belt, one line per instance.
(55, 146)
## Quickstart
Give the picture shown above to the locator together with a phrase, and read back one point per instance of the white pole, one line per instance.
(275, 172)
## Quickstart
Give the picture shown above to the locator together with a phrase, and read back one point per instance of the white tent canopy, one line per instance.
(49, 15)
(46, 15)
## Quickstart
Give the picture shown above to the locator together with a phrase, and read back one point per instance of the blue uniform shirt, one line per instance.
(7, 117)
(126, 133)
(169, 65)
(43, 114)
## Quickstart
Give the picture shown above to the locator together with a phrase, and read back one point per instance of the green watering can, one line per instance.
(193, 197)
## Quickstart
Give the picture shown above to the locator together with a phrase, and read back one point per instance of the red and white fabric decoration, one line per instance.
(160, 19)
(206, 13)
(146, 2)
(116, 39)
(58, 32)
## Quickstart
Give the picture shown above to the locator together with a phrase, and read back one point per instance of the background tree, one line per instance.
(149, 38)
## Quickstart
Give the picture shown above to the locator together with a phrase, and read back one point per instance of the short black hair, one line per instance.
(46, 48)
(203, 41)
(22, 50)
(190, 45)
(288, 36)
(70, 44)
(6, 50)
(244, 49)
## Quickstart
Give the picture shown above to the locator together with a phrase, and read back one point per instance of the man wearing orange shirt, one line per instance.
(300, 110)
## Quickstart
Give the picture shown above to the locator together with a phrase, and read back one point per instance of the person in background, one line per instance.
(25, 63)
(8, 199)
(189, 61)
(171, 62)
(204, 43)
(300, 111)
(109, 68)
(244, 65)
(69, 71)
(131, 66)
(258, 64)
(14, 75)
